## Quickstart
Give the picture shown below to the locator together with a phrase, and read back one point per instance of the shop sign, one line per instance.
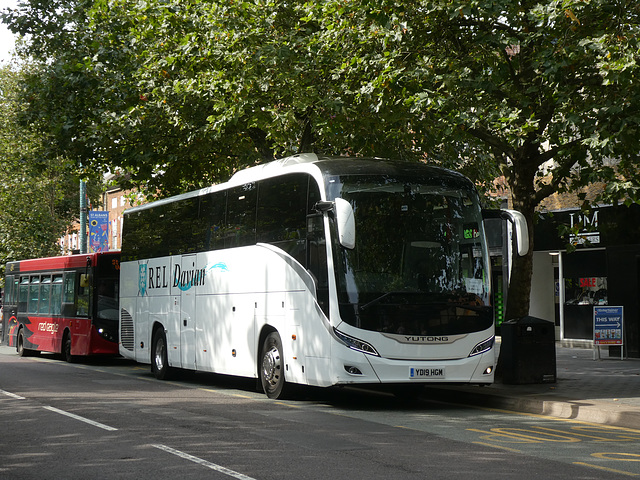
(588, 224)
(607, 325)
(588, 282)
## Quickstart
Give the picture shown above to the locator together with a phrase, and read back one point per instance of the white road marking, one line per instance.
(82, 419)
(204, 463)
(12, 395)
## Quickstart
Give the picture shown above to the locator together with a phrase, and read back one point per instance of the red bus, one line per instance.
(66, 305)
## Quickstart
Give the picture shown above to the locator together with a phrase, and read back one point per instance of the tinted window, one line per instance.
(241, 216)
(56, 295)
(224, 219)
(212, 218)
(82, 303)
(24, 289)
(34, 293)
(282, 213)
(45, 292)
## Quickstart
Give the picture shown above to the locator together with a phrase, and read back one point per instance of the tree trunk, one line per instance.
(519, 291)
(523, 196)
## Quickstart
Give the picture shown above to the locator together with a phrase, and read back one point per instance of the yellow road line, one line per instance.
(550, 417)
(612, 470)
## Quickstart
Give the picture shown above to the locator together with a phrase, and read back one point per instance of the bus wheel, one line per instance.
(272, 367)
(23, 352)
(159, 361)
(66, 348)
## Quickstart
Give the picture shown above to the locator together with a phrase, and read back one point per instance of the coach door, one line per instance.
(188, 312)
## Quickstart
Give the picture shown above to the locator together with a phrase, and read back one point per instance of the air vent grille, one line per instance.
(126, 330)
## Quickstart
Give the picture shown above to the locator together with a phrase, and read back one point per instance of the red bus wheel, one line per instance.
(66, 348)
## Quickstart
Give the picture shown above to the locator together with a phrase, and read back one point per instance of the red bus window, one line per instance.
(56, 295)
(45, 293)
(34, 294)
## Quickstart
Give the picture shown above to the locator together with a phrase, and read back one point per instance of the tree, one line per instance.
(38, 195)
(548, 89)
(181, 94)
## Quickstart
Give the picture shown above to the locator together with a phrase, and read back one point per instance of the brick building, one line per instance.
(115, 200)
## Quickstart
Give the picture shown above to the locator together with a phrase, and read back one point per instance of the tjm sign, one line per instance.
(586, 226)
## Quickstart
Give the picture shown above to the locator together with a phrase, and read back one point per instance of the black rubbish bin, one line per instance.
(528, 351)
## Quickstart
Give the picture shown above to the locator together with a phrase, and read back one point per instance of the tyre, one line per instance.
(66, 348)
(20, 348)
(272, 367)
(23, 352)
(159, 361)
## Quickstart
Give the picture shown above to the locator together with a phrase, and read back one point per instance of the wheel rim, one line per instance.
(159, 355)
(271, 367)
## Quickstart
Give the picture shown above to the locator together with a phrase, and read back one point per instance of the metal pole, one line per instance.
(83, 217)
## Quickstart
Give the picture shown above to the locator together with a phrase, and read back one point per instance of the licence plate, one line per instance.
(426, 372)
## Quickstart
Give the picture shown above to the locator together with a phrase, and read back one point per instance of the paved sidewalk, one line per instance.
(605, 390)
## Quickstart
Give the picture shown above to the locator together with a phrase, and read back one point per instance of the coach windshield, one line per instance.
(419, 265)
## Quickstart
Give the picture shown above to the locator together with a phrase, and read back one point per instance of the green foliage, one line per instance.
(181, 94)
(38, 194)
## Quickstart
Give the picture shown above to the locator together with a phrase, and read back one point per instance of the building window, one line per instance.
(114, 232)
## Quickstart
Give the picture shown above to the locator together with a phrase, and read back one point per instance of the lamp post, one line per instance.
(83, 217)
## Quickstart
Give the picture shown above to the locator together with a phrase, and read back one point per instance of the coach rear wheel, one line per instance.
(159, 361)
(272, 367)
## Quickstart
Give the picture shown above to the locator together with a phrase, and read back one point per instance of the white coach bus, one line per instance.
(313, 271)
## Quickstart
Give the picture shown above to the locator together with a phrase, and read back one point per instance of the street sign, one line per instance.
(608, 325)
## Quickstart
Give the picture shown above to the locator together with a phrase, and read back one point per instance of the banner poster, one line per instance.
(98, 231)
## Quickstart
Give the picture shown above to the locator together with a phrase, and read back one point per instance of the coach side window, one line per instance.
(136, 239)
(241, 216)
(175, 238)
(211, 215)
(317, 249)
(281, 218)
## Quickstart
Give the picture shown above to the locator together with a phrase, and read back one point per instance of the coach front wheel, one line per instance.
(159, 361)
(272, 367)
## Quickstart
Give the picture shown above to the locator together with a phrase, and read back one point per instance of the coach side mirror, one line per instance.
(85, 280)
(346, 223)
(518, 232)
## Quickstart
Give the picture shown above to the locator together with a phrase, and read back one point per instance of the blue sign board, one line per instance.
(98, 231)
(608, 325)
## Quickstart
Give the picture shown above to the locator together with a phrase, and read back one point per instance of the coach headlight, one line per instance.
(483, 347)
(356, 344)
